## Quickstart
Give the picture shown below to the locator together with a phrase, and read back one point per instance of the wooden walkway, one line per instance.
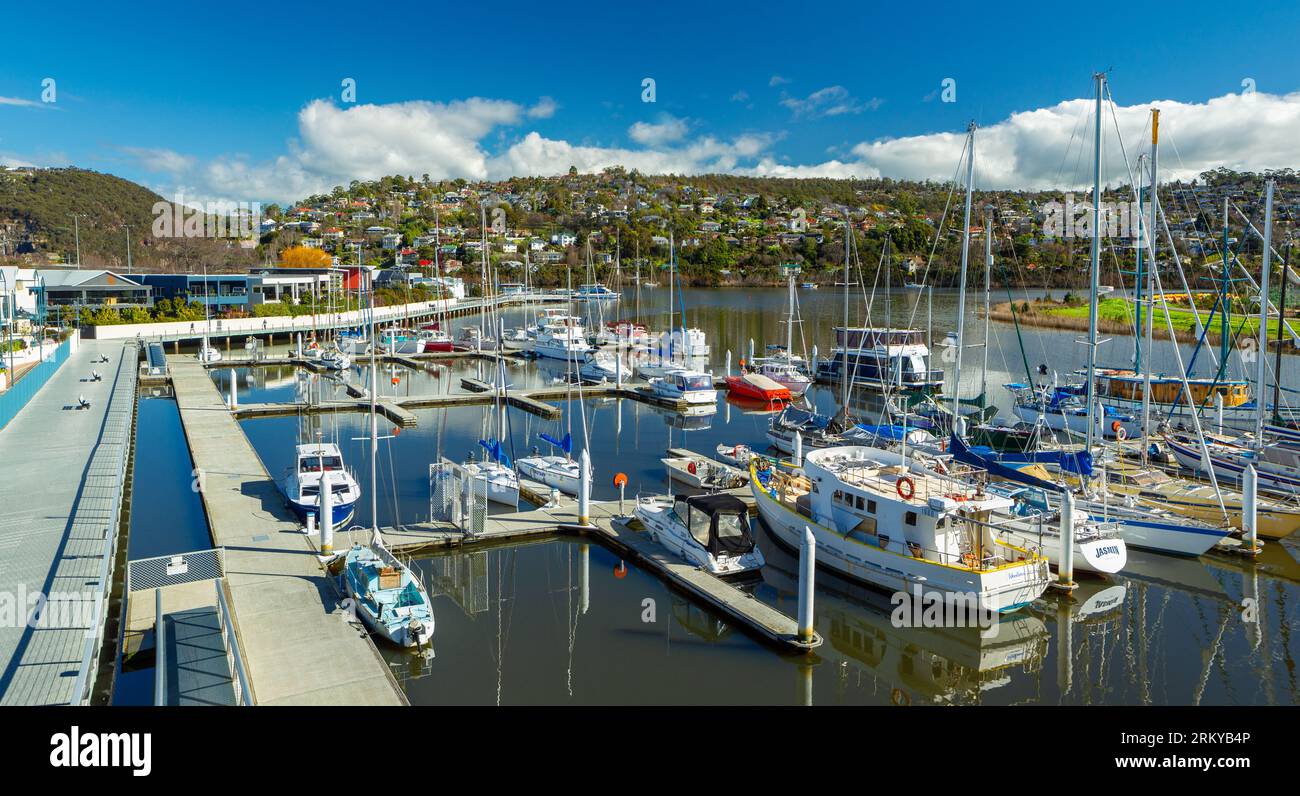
(297, 645)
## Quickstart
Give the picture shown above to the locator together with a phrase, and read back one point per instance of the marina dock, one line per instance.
(63, 496)
(297, 646)
(611, 529)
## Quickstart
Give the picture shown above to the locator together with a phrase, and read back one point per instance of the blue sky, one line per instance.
(210, 98)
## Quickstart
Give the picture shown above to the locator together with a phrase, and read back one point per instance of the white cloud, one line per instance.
(1042, 148)
(740, 96)
(157, 159)
(777, 80)
(544, 109)
(829, 101)
(22, 103)
(667, 130)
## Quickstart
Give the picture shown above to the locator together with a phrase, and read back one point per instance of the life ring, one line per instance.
(906, 488)
(1121, 434)
(900, 698)
(690, 468)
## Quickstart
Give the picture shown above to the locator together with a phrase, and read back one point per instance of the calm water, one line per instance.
(523, 624)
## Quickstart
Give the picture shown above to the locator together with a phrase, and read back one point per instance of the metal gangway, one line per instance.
(198, 660)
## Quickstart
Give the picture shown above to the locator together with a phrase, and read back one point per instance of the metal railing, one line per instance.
(234, 658)
(20, 392)
(454, 498)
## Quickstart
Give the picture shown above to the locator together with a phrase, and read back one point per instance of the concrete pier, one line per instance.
(298, 647)
(62, 495)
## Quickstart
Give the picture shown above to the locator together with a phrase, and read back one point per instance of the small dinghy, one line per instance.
(702, 472)
(710, 531)
(738, 455)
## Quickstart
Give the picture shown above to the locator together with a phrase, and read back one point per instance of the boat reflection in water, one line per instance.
(906, 665)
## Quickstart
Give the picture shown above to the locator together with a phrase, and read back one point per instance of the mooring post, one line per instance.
(584, 488)
(1065, 567)
(797, 459)
(584, 579)
(234, 390)
(812, 371)
(326, 504)
(751, 352)
(1218, 410)
(299, 348)
(728, 361)
(618, 371)
(1250, 506)
(807, 573)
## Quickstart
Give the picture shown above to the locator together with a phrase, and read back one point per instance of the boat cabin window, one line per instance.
(910, 518)
(313, 464)
(730, 526)
(871, 507)
(699, 382)
(699, 526)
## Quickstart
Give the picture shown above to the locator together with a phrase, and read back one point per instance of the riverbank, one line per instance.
(1116, 317)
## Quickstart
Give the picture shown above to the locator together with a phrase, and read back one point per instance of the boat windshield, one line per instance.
(315, 464)
(730, 526)
(697, 382)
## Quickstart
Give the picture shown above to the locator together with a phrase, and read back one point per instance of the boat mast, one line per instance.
(1261, 358)
(1225, 331)
(1281, 330)
(965, 259)
(988, 297)
(1095, 265)
(844, 344)
(374, 425)
(1152, 264)
(1137, 276)
(789, 324)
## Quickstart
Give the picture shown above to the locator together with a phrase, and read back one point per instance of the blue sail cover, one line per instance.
(565, 444)
(494, 450)
(1007, 465)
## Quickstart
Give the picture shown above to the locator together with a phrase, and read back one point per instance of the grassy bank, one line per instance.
(1116, 317)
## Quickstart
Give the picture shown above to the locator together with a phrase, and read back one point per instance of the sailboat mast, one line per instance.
(1261, 358)
(1095, 265)
(1137, 277)
(988, 297)
(1151, 280)
(965, 260)
(789, 324)
(1226, 328)
(374, 421)
(844, 343)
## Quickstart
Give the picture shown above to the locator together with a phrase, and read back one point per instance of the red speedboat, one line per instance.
(758, 387)
(435, 340)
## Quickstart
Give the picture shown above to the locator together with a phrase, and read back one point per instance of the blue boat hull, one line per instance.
(342, 512)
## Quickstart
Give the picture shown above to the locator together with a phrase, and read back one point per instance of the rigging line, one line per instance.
(943, 220)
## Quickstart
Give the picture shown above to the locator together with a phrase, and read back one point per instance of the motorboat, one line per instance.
(757, 386)
(434, 340)
(562, 338)
(335, 359)
(470, 338)
(686, 386)
(886, 520)
(401, 341)
(303, 482)
(595, 292)
(815, 430)
(598, 367)
(786, 374)
(881, 359)
(709, 531)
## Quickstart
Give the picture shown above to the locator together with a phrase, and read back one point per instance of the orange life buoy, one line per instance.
(1115, 426)
(906, 488)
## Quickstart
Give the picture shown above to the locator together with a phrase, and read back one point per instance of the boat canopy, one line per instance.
(718, 522)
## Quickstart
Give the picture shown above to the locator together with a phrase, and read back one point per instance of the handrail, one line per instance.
(160, 651)
(235, 659)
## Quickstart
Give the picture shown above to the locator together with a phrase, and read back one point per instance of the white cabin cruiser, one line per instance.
(563, 337)
(302, 483)
(891, 522)
(688, 386)
(710, 531)
(335, 359)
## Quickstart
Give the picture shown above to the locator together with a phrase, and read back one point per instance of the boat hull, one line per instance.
(1001, 590)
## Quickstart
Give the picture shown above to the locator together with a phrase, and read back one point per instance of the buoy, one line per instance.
(906, 488)
(620, 480)
(396, 380)
(690, 468)
(1115, 426)
(620, 571)
(1121, 434)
